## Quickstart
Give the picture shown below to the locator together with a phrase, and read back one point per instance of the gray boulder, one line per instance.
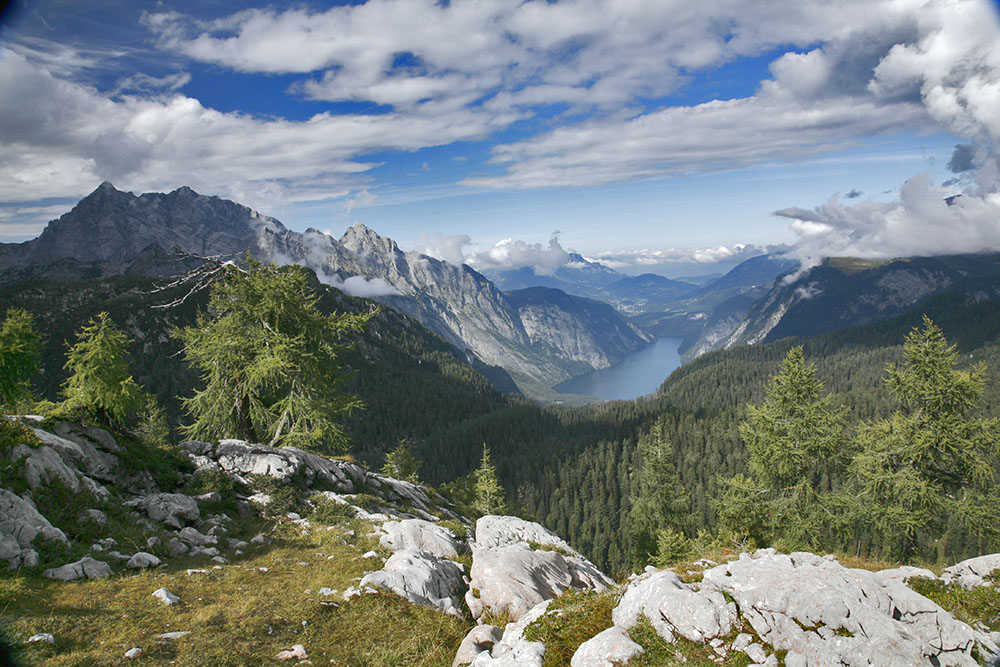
(513, 650)
(92, 516)
(509, 575)
(419, 535)
(972, 573)
(905, 572)
(20, 525)
(480, 638)
(85, 568)
(498, 531)
(606, 649)
(823, 613)
(173, 509)
(675, 608)
(79, 451)
(142, 560)
(422, 579)
(165, 596)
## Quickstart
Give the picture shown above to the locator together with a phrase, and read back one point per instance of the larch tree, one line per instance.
(99, 384)
(795, 446)
(932, 461)
(20, 344)
(489, 494)
(270, 361)
(660, 510)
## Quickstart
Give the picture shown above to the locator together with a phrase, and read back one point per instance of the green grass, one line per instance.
(569, 621)
(979, 607)
(659, 653)
(237, 614)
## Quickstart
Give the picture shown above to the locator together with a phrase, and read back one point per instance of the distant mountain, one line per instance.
(629, 294)
(580, 329)
(112, 232)
(706, 315)
(578, 276)
(843, 292)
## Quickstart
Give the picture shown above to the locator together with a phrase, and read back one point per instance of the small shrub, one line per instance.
(327, 510)
(13, 432)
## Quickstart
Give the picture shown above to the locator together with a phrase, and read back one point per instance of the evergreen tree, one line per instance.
(932, 461)
(20, 346)
(794, 443)
(100, 385)
(269, 360)
(660, 510)
(489, 493)
(400, 463)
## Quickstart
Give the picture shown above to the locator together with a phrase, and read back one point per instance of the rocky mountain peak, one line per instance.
(363, 240)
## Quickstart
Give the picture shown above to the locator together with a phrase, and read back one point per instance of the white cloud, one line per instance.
(61, 139)
(954, 68)
(362, 287)
(510, 254)
(20, 223)
(628, 259)
(921, 222)
(446, 247)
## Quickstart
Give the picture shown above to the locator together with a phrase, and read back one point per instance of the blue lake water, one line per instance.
(640, 373)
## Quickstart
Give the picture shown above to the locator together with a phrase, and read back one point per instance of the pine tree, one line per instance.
(660, 510)
(269, 360)
(930, 463)
(100, 385)
(794, 443)
(400, 463)
(20, 345)
(489, 493)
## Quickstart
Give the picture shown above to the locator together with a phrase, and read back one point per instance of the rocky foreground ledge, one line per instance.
(791, 609)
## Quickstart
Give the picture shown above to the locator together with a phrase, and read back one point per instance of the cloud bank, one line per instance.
(953, 67)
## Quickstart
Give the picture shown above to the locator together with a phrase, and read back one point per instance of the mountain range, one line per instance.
(112, 232)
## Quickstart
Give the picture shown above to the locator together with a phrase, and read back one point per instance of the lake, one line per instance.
(640, 373)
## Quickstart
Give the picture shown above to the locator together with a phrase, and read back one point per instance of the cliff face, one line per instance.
(844, 292)
(112, 232)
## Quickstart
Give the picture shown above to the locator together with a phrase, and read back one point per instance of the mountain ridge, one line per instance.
(105, 233)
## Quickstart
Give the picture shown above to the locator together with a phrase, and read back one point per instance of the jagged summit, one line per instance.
(362, 239)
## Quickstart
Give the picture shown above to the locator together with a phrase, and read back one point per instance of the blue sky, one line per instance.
(655, 135)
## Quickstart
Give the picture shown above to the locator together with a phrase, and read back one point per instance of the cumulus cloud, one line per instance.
(853, 194)
(923, 221)
(447, 247)
(62, 138)
(953, 67)
(511, 254)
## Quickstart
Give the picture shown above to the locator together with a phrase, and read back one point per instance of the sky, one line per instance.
(651, 135)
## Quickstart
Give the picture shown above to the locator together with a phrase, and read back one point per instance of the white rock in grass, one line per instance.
(972, 573)
(675, 608)
(297, 652)
(420, 535)
(165, 596)
(172, 636)
(422, 579)
(480, 638)
(134, 653)
(85, 568)
(605, 649)
(142, 560)
(44, 637)
(513, 650)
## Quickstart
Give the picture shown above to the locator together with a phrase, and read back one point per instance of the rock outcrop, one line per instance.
(509, 574)
(420, 535)
(422, 579)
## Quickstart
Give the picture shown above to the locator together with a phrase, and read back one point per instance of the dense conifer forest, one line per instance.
(580, 471)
